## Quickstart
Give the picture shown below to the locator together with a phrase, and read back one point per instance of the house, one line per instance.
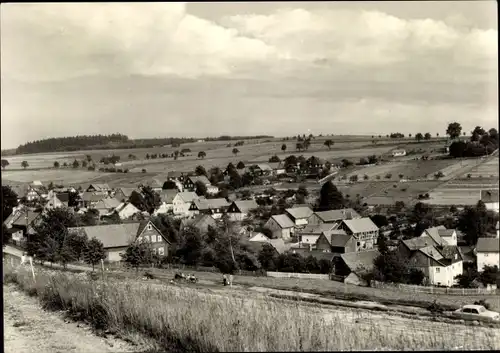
(176, 176)
(20, 223)
(310, 234)
(355, 265)
(182, 201)
(398, 153)
(167, 201)
(200, 221)
(123, 194)
(125, 210)
(104, 188)
(89, 199)
(117, 237)
(299, 215)
(106, 206)
(258, 237)
(239, 210)
(154, 184)
(448, 235)
(433, 233)
(364, 231)
(214, 207)
(490, 199)
(261, 169)
(333, 216)
(281, 226)
(336, 241)
(439, 263)
(55, 200)
(487, 252)
(277, 168)
(189, 183)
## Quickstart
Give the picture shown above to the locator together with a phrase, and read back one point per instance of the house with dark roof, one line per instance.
(299, 215)
(57, 199)
(333, 216)
(20, 223)
(363, 230)
(214, 207)
(490, 199)
(355, 265)
(281, 226)
(117, 237)
(98, 188)
(261, 169)
(240, 209)
(190, 184)
(90, 198)
(487, 252)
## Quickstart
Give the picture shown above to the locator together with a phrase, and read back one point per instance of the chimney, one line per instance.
(349, 215)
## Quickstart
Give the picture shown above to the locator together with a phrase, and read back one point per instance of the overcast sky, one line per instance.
(201, 69)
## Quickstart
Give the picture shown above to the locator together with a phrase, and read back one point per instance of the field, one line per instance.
(180, 318)
(406, 192)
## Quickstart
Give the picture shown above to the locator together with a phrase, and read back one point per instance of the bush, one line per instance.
(388, 176)
(125, 170)
(144, 170)
(483, 303)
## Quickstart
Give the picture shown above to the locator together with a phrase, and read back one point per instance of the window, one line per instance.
(161, 251)
(146, 238)
(437, 269)
(154, 251)
(150, 227)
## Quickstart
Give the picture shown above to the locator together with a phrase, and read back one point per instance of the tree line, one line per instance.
(71, 143)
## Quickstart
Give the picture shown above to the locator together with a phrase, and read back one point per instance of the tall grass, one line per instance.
(180, 319)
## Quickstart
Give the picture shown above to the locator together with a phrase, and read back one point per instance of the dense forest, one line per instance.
(113, 141)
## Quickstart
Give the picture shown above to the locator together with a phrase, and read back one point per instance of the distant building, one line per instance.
(487, 252)
(490, 199)
(398, 153)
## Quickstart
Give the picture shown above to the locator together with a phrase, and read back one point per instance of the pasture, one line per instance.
(406, 192)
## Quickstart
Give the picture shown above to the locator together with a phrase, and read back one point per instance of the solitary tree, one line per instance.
(419, 137)
(138, 253)
(240, 165)
(454, 130)
(235, 151)
(94, 252)
(328, 143)
(283, 147)
(24, 164)
(56, 164)
(200, 170)
(330, 198)
(202, 154)
(76, 164)
(5, 163)
(427, 136)
(299, 146)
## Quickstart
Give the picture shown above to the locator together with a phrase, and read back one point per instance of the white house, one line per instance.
(259, 237)
(299, 215)
(239, 210)
(126, 210)
(490, 199)
(167, 201)
(398, 153)
(448, 235)
(487, 252)
(182, 201)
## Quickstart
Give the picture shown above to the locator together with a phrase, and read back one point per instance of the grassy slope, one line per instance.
(180, 319)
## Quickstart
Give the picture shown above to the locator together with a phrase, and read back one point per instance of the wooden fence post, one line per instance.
(32, 269)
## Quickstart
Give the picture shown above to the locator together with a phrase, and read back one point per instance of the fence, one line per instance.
(491, 290)
(296, 275)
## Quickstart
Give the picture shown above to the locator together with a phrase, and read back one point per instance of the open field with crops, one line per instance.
(181, 318)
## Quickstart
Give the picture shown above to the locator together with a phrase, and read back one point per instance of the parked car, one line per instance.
(476, 312)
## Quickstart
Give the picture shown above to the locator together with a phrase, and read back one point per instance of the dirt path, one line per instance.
(28, 328)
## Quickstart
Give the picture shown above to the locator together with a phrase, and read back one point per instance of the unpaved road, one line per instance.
(29, 328)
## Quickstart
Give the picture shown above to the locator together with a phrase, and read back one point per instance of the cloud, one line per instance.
(64, 40)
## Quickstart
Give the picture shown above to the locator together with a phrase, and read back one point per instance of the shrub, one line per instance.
(119, 170)
(144, 171)
(469, 176)
(483, 303)
(388, 176)
(125, 170)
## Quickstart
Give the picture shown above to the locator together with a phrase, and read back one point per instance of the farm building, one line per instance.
(487, 252)
(125, 210)
(281, 226)
(399, 153)
(311, 233)
(490, 199)
(336, 241)
(117, 237)
(88, 198)
(364, 231)
(106, 206)
(333, 216)
(239, 210)
(214, 207)
(190, 184)
(355, 266)
(299, 215)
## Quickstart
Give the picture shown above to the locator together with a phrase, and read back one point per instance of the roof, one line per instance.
(449, 251)
(446, 232)
(200, 221)
(337, 215)
(418, 243)
(127, 191)
(168, 196)
(489, 196)
(279, 245)
(317, 228)
(174, 174)
(123, 205)
(111, 235)
(154, 183)
(256, 235)
(206, 204)
(283, 221)
(299, 212)
(201, 178)
(318, 254)
(107, 203)
(360, 262)
(434, 234)
(23, 217)
(93, 196)
(246, 205)
(98, 187)
(488, 245)
(188, 196)
(359, 225)
(263, 166)
(337, 239)
(63, 196)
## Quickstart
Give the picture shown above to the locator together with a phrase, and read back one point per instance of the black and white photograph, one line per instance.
(250, 176)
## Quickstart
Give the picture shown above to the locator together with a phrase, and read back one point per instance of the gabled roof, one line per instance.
(317, 228)
(202, 178)
(258, 237)
(207, 204)
(93, 196)
(432, 252)
(360, 262)
(418, 243)
(20, 190)
(283, 221)
(279, 245)
(168, 196)
(154, 183)
(200, 221)
(446, 232)
(360, 225)
(488, 196)
(337, 237)
(263, 166)
(124, 205)
(488, 245)
(299, 212)
(20, 218)
(245, 206)
(337, 215)
(127, 191)
(99, 187)
(107, 203)
(434, 234)
(188, 196)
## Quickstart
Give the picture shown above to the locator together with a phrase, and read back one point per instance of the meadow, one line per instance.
(181, 318)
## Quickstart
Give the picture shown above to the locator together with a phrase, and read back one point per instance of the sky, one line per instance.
(282, 68)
